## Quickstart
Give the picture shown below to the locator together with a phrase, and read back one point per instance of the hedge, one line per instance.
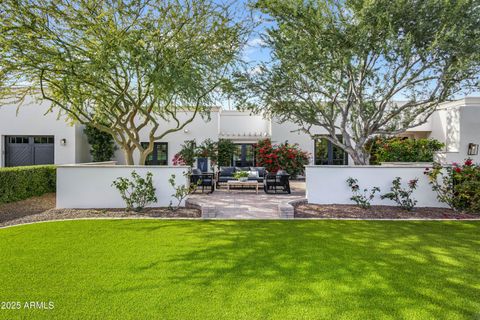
(24, 182)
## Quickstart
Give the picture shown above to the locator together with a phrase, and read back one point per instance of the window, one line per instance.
(18, 140)
(159, 155)
(43, 140)
(244, 155)
(326, 153)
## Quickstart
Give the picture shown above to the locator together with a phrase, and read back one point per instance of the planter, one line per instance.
(243, 179)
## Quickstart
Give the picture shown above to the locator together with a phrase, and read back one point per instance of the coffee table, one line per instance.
(243, 184)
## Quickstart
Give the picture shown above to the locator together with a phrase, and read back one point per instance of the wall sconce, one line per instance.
(472, 149)
(63, 142)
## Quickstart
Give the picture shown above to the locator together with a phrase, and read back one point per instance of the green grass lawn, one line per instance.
(177, 269)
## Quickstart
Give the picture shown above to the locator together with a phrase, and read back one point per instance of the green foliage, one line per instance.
(402, 196)
(187, 154)
(458, 185)
(20, 183)
(102, 146)
(181, 191)
(138, 192)
(226, 149)
(404, 150)
(109, 62)
(220, 152)
(288, 157)
(240, 174)
(208, 149)
(340, 65)
(361, 198)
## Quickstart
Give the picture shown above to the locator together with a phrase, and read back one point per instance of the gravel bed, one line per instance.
(308, 210)
(42, 208)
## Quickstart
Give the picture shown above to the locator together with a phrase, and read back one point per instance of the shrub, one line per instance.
(364, 198)
(458, 185)
(404, 150)
(20, 183)
(225, 149)
(220, 152)
(402, 196)
(102, 146)
(138, 192)
(288, 157)
(187, 154)
(181, 191)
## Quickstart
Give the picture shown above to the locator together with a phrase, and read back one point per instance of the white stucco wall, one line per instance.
(90, 186)
(327, 184)
(199, 129)
(457, 124)
(32, 120)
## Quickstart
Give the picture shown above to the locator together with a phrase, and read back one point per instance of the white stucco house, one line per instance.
(29, 135)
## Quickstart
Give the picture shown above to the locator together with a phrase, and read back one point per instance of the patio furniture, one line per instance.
(226, 174)
(203, 179)
(243, 184)
(275, 182)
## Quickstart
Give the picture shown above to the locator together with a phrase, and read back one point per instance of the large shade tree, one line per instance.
(123, 66)
(340, 65)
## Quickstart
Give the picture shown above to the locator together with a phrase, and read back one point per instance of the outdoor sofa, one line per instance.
(227, 173)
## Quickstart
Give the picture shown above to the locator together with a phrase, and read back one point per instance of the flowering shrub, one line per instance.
(207, 149)
(361, 198)
(288, 157)
(403, 197)
(404, 150)
(457, 185)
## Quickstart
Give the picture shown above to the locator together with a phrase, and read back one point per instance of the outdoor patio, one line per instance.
(246, 204)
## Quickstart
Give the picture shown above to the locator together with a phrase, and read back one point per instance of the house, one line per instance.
(31, 135)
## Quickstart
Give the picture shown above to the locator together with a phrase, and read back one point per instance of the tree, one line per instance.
(124, 66)
(340, 65)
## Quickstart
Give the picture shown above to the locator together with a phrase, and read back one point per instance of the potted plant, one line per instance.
(241, 175)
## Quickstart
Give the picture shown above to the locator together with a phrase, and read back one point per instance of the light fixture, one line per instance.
(472, 149)
(63, 141)
(186, 131)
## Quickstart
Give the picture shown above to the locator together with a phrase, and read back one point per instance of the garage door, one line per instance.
(27, 151)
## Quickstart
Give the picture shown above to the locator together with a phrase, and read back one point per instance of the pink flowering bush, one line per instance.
(457, 185)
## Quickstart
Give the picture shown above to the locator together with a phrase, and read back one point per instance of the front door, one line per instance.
(244, 155)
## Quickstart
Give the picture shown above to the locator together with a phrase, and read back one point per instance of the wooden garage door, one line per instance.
(28, 150)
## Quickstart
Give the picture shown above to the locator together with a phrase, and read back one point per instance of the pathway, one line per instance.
(246, 204)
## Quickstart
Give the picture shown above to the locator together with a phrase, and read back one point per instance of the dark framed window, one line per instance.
(326, 153)
(159, 155)
(244, 155)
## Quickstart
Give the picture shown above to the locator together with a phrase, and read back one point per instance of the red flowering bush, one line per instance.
(288, 157)
(457, 185)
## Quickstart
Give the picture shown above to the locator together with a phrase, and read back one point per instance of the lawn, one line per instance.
(179, 269)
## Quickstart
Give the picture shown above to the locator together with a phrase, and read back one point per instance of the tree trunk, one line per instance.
(128, 155)
(360, 157)
(143, 158)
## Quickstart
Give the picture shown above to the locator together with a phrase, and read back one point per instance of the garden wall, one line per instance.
(90, 185)
(327, 184)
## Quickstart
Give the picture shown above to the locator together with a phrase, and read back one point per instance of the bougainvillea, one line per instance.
(457, 185)
(288, 157)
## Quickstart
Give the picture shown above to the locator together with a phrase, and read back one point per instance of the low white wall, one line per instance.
(327, 184)
(90, 185)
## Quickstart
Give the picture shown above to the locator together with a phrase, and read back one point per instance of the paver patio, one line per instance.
(246, 204)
